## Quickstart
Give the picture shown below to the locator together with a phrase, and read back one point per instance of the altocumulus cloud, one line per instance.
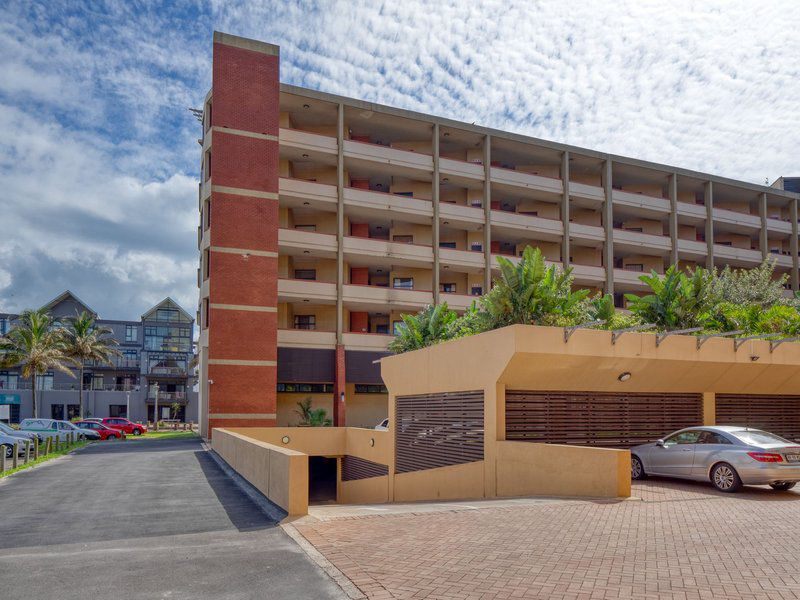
(98, 155)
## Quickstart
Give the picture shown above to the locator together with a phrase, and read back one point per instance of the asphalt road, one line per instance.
(144, 519)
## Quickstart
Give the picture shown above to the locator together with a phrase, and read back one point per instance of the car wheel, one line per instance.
(137, 432)
(783, 486)
(637, 468)
(725, 478)
(9, 451)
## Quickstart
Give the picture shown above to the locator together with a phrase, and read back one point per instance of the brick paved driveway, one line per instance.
(680, 540)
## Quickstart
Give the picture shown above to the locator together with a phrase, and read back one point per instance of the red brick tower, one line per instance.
(241, 253)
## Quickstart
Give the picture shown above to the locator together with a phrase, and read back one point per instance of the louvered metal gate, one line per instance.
(776, 414)
(603, 419)
(438, 430)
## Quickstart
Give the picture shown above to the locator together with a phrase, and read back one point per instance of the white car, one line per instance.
(6, 429)
(54, 428)
(7, 445)
(383, 425)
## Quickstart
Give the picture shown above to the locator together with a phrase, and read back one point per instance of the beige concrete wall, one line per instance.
(585, 216)
(655, 263)
(736, 240)
(287, 406)
(648, 189)
(423, 278)
(365, 410)
(445, 483)
(420, 189)
(325, 267)
(318, 174)
(325, 315)
(646, 225)
(544, 210)
(552, 171)
(526, 469)
(583, 255)
(421, 146)
(374, 490)
(280, 474)
(453, 195)
(421, 233)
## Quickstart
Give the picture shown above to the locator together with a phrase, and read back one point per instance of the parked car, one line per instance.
(24, 435)
(123, 424)
(7, 445)
(728, 456)
(57, 429)
(104, 431)
(383, 425)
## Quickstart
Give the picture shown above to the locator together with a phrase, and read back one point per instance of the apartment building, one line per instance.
(323, 219)
(156, 351)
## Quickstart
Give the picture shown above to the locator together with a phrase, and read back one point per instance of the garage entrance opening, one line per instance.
(321, 480)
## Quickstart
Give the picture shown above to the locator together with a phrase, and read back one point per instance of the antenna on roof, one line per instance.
(198, 113)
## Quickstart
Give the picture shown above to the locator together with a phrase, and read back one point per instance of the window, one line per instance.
(634, 267)
(476, 290)
(305, 227)
(307, 274)
(711, 437)
(166, 363)
(447, 288)
(685, 437)
(371, 389)
(206, 265)
(129, 358)
(382, 328)
(396, 325)
(476, 247)
(725, 243)
(44, 382)
(73, 411)
(634, 229)
(8, 381)
(307, 322)
(168, 338)
(306, 388)
(406, 194)
(56, 412)
(447, 245)
(757, 437)
(131, 333)
(117, 410)
(403, 283)
(97, 381)
(205, 313)
(403, 239)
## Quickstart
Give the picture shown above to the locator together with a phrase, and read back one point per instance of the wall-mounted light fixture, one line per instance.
(372, 441)
(305, 155)
(306, 106)
(624, 376)
(285, 439)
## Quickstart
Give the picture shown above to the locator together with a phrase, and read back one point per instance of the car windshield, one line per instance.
(757, 437)
(6, 429)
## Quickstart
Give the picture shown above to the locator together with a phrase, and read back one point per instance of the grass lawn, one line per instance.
(43, 458)
(162, 435)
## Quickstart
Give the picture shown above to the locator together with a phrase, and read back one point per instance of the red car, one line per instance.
(123, 424)
(104, 431)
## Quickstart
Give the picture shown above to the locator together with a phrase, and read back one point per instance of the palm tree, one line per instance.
(312, 417)
(87, 341)
(427, 327)
(677, 300)
(37, 344)
(531, 293)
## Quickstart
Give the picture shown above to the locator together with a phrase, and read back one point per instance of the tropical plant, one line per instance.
(752, 319)
(175, 408)
(312, 417)
(87, 341)
(750, 286)
(531, 292)
(430, 326)
(36, 343)
(601, 308)
(676, 301)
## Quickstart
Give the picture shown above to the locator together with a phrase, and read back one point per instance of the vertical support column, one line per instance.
(608, 225)
(487, 213)
(435, 199)
(709, 200)
(793, 246)
(339, 388)
(243, 265)
(709, 408)
(340, 223)
(763, 238)
(490, 414)
(673, 218)
(565, 250)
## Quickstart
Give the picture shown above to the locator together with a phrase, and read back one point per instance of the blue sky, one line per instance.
(98, 152)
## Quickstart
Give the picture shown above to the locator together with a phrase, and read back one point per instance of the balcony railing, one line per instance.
(115, 363)
(167, 370)
(72, 387)
(166, 396)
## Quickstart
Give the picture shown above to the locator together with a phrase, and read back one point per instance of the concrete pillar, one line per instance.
(793, 245)
(435, 223)
(763, 238)
(673, 218)
(709, 408)
(487, 213)
(490, 414)
(608, 225)
(709, 200)
(339, 388)
(339, 225)
(565, 250)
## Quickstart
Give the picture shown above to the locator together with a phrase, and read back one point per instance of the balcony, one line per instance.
(172, 371)
(642, 243)
(115, 363)
(736, 221)
(366, 341)
(779, 225)
(590, 275)
(383, 205)
(298, 290)
(166, 397)
(782, 260)
(642, 204)
(463, 217)
(548, 230)
(295, 242)
(379, 297)
(629, 279)
(400, 161)
(302, 338)
(595, 194)
(460, 171)
(462, 259)
(737, 256)
(304, 140)
(520, 182)
(295, 192)
(588, 233)
(459, 302)
(409, 255)
(694, 214)
(692, 249)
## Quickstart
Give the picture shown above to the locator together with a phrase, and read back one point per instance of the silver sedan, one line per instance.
(728, 456)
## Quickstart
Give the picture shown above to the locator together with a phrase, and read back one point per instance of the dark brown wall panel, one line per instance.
(361, 367)
(306, 365)
(354, 468)
(438, 430)
(777, 414)
(598, 418)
